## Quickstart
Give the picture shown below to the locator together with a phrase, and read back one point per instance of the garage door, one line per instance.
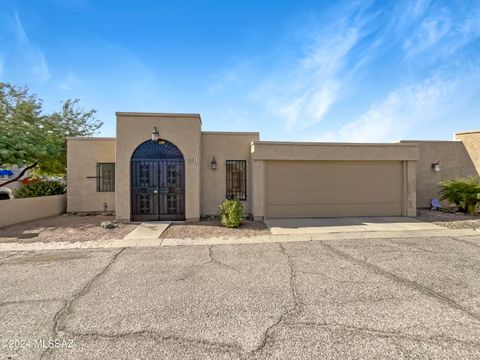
(333, 188)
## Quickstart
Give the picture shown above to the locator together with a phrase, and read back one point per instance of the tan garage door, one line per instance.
(333, 188)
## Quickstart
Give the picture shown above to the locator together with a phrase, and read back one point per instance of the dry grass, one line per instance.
(64, 228)
(213, 228)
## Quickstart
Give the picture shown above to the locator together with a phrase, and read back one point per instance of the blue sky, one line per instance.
(293, 70)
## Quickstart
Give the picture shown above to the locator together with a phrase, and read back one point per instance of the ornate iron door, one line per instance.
(171, 190)
(157, 182)
(157, 191)
(144, 191)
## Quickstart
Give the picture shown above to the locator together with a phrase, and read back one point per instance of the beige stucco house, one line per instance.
(187, 172)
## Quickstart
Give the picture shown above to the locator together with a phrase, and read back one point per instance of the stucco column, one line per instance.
(192, 188)
(258, 189)
(411, 189)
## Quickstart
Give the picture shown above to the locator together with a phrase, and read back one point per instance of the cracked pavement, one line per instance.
(406, 298)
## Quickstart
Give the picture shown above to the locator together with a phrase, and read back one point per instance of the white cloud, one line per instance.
(236, 77)
(70, 81)
(420, 7)
(430, 32)
(304, 93)
(443, 33)
(407, 107)
(33, 58)
(421, 42)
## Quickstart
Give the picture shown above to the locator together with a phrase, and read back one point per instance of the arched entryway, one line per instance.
(157, 182)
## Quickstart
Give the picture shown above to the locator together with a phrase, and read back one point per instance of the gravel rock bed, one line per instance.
(449, 219)
(213, 228)
(64, 228)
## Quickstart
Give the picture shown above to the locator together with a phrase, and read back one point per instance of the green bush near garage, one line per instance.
(463, 192)
(231, 213)
(40, 188)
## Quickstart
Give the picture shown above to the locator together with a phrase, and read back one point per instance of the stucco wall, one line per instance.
(455, 162)
(183, 130)
(83, 154)
(471, 140)
(20, 210)
(273, 150)
(224, 146)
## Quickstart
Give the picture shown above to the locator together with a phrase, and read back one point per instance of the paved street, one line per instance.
(405, 298)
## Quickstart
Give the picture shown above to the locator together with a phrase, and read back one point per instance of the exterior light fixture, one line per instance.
(155, 134)
(437, 167)
(213, 164)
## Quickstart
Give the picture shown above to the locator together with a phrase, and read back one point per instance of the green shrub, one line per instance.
(463, 192)
(40, 188)
(231, 213)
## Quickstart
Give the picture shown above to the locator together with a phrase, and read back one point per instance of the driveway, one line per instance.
(347, 225)
(397, 298)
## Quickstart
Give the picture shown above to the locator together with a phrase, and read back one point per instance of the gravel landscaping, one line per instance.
(214, 229)
(64, 228)
(449, 219)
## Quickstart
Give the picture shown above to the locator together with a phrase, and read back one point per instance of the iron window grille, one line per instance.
(106, 177)
(236, 179)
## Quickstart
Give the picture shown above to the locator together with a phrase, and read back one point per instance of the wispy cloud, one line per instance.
(430, 32)
(236, 77)
(442, 32)
(339, 56)
(302, 84)
(305, 92)
(407, 107)
(33, 58)
(70, 81)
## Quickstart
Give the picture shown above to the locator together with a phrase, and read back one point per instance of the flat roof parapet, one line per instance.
(467, 132)
(147, 114)
(91, 138)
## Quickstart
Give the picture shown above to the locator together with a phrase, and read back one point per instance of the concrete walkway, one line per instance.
(148, 230)
(346, 225)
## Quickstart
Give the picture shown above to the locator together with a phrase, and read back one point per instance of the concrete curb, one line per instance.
(149, 242)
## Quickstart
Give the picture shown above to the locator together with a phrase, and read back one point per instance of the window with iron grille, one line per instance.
(106, 177)
(236, 179)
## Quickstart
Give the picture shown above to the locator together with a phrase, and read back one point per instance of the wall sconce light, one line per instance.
(213, 164)
(155, 134)
(437, 167)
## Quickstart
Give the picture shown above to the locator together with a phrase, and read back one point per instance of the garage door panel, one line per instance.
(334, 210)
(332, 197)
(333, 190)
(333, 167)
(322, 188)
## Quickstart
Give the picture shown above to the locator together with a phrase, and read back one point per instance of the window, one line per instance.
(105, 177)
(236, 179)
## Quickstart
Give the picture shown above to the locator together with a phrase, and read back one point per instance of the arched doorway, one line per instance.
(157, 182)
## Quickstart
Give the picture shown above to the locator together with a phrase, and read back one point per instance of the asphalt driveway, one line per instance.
(347, 299)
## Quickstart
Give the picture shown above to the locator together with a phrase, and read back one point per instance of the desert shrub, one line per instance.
(231, 213)
(40, 188)
(463, 192)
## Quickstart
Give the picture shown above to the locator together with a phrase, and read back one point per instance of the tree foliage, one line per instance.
(28, 135)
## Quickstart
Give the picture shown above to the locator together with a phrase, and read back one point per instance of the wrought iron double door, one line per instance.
(158, 189)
